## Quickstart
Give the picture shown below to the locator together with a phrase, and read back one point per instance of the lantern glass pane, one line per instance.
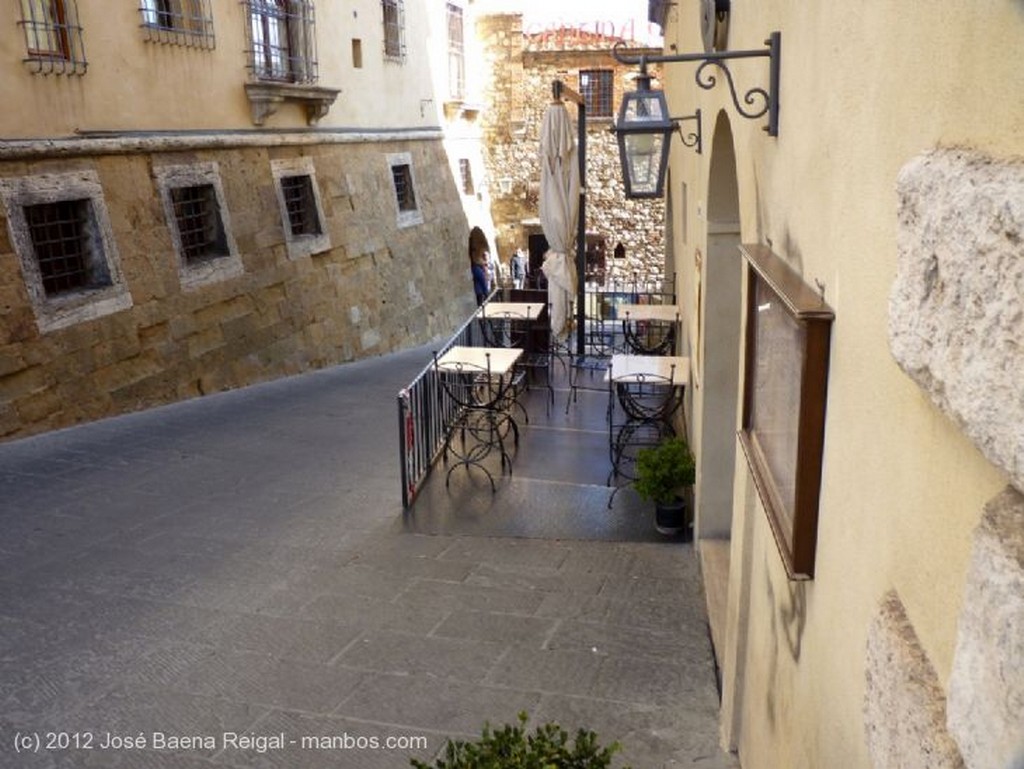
(645, 107)
(643, 161)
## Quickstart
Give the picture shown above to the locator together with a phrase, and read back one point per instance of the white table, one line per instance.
(500, 360)
(662, 312)
(674, 367)
(530, 310)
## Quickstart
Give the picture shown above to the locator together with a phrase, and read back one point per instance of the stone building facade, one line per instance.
(213, 215)
(520, 71)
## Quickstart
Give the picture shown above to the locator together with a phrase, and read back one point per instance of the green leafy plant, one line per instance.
(511, 747)
(662, 470)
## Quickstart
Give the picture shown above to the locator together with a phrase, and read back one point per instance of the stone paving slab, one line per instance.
(239, 564)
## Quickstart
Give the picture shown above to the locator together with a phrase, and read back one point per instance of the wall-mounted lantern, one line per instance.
(644, 127)
(644, 132)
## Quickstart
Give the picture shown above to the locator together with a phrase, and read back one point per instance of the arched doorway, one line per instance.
(719, 354)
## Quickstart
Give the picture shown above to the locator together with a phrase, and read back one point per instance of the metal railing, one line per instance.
(423, 412)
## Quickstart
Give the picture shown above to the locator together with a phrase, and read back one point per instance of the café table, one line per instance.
(525, 325)
(477, 385)
(530, 310)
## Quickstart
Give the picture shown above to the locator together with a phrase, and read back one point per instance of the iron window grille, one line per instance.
(53, 37)
(394, 29)
(60, 234)
(200, 228)
(300, 204)
(282, 40)
(456, 54)
(186, 23)
(405, 195)
(596, 86)
(466, 171)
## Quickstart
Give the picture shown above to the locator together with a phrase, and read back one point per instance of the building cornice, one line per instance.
(132, 142)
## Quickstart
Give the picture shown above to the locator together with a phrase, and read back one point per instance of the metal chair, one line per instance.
(601, 339)
(649, 337)
(640, 409)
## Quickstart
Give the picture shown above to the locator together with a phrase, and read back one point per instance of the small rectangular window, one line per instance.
(197, 216)
(199, 223)
(61, 243)
(300, 205)
(357, 53)
(466, 171)
(60, 230)
(393, 12)
(404, 181)
(404, 192)
(596, 87)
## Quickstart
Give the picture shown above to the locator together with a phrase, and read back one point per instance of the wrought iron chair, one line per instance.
(601, 340)
(531, 334)
(640, 408)
(650, 337)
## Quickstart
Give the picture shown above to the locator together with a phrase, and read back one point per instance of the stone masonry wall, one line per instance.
(521, 72)
(377, 287)
(956, 318)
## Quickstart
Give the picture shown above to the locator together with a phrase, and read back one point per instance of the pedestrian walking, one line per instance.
(519, 268)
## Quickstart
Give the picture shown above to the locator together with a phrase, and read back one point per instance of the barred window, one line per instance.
(282, 40)
(178, 22)
(53, 38)
(596, 86)
(301, 212)
(404, 182)
(300, 205)
(198, 220)
(404, 192)
(394, 29)
(197, 217)
(466, 171)
(456, 54)
(61, 233)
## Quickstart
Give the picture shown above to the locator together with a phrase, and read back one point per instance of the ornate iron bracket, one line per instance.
(759, 101)
(695, 138)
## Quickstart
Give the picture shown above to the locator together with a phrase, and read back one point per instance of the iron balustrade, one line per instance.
(423, 409)
(423, 412)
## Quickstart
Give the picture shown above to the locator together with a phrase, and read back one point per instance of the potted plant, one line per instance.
(662, 473)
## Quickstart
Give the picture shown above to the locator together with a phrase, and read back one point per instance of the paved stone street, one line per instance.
(240, 564)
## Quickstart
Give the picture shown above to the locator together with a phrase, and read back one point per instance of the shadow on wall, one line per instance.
(789, 620)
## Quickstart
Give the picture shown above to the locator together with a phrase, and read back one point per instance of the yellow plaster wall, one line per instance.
(865, 88)
(133, 84)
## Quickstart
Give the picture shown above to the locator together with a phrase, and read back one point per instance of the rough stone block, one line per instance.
(904, 705)
(955, 312)
(986, 689)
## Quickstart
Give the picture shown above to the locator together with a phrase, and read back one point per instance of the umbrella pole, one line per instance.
(581, 230)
